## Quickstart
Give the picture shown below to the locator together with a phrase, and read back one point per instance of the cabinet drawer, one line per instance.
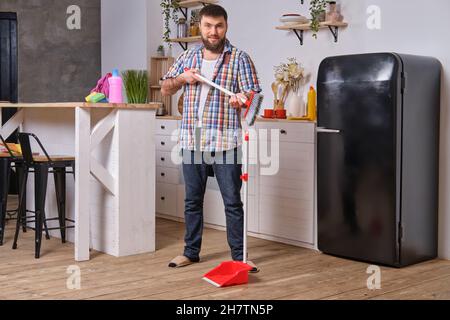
(304, 192)
(288, 183)
(294, 156)
(167, 175)
(165, 143)
(290, 132)
(166, 198)
(287, 218)
(164, 159)
(166, 127)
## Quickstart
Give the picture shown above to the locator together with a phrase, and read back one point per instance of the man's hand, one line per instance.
(189, 76)
(171, 86)
(236, 101)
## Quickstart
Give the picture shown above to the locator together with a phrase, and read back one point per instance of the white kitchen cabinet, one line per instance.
(166, 127)
(167, 170)
(286, 198)
(167, 175)
(281, 206)
(166, 198)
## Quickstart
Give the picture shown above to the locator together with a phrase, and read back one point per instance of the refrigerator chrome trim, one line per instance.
(326, 130)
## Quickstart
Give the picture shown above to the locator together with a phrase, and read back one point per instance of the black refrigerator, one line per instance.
(377, 157)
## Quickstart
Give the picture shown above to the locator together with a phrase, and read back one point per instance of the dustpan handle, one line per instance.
(245, 181)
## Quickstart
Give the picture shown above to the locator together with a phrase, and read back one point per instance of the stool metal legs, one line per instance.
(60, 188)
(40, 185)
(21, 216)
(41, 171)
(5, 172)
(20, 171)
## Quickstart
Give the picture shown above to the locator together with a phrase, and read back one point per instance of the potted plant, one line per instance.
(317, 11)
(170, 9)
(160, 51)
(136, 85)
(290, 77)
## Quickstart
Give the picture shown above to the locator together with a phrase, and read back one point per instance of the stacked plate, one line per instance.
(293, 18)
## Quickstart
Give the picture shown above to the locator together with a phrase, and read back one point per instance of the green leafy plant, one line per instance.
(317, 8)
(136, 85)
(170, 9)
(160, 50)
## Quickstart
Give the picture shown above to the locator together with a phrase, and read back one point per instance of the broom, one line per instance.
(252, 103)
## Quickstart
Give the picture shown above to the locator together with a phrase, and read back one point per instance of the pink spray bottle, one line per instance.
(115, 87)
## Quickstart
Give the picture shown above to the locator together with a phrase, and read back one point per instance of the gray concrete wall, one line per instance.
(56, 64)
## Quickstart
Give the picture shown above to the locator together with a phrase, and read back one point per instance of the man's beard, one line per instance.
(215, 48)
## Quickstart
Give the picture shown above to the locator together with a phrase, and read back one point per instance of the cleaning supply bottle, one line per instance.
(312, 113)
(115, 87)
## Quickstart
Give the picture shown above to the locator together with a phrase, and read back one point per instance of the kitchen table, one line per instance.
(112, 196)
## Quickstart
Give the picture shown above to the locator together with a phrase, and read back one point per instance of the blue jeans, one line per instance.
(197, 166)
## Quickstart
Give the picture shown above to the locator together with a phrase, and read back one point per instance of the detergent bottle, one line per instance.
(312, 112)
(115, 87)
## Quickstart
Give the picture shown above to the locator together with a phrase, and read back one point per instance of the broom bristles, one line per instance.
(254, 108)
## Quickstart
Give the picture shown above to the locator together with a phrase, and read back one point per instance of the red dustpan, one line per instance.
(231, 273)
(228, 273)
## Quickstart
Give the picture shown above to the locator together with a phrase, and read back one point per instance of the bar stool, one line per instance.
(41, 166)
(8, 160)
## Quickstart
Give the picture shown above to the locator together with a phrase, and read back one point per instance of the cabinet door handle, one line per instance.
(163, 159)
(282, 131)
(163, 198)
(162, 174)
(163, 127)
(326, 130)
(163, 143)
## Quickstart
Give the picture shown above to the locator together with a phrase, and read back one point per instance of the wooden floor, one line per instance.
(287, 272)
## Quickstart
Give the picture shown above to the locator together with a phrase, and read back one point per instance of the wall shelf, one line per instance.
(195, 3)
(183, 42)
(184, 5)
(299, 29)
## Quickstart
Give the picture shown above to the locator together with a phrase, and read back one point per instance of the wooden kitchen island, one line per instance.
(112, 198)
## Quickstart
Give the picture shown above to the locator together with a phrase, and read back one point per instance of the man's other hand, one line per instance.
(189, 76)
(236, 100)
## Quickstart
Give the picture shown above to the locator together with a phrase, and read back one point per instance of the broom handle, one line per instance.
(246, 156)
(215, 85)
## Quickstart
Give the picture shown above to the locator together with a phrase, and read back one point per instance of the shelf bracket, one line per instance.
(335, 32)
(183, 45)
(184, 12)
(299, 36)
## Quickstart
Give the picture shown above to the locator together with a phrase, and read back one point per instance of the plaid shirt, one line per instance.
(221, 124)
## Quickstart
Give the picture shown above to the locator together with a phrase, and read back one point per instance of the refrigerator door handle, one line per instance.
(325, 130)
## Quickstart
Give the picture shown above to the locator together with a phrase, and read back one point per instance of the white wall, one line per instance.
(124, 34)
(252, 28)
(155, 26)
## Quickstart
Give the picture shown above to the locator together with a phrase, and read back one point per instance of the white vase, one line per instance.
(295, 105)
